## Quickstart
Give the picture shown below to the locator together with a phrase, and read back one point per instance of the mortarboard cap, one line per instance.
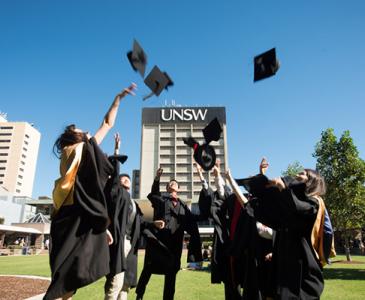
(121, 158)
(253, 184)
(212, 131)
(137, 58)
(266, 65)
(157, 81)
(204, 154)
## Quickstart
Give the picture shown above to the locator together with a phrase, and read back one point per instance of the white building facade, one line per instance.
(19, 144)
(163, 130)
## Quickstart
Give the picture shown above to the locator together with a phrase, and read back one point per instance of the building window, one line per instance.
(18, 191)
(18, 183)
(6, 147)
(24, 156)
(6, 127)
(3, 161)
(25, 142)
(25, 149)
(21, 169)
(4, 141)
(20, 176)
(22, 162)
(27, 136)
(6, 134)
(2, 168)
(1, 182)
(4, 154)
(2, 175)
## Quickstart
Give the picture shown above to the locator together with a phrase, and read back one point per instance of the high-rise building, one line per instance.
(135, 184)
(163, 130)
(19, 144)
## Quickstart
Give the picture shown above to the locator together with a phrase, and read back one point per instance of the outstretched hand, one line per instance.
(159, 172)
(264, 165)
(116, 142)
(128, 91)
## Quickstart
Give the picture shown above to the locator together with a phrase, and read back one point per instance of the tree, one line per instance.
(293, 169)
(339, 163)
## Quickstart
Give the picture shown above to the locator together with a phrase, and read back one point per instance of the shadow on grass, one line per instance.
(344, 274)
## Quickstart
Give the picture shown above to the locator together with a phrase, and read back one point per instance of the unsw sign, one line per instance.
(163, 115)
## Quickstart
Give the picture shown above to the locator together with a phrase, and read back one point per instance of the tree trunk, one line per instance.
(347, 248)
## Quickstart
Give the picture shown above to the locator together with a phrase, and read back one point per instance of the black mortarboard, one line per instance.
(266, 65)
(157, 81)
(213, 131)
(138, 58)
(205, 154)
(121, 158)
(253, 184)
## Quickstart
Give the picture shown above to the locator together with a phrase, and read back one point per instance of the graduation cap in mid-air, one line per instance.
(157, 81)
(205, 154)
(118, 157)
(137, 58)
(254, 183)
(266, 65)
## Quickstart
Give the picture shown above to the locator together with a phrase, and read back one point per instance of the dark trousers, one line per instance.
(168, 289)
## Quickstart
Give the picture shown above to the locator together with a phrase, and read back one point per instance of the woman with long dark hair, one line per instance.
(79, 238)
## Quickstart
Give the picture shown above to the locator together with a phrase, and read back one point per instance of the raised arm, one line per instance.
(116, 143)
(155, 189)
(236, 189)
(109, 119)
(218, 180)
(201, 176)
(155, 195)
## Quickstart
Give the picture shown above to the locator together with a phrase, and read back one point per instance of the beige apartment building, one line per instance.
(19, 144)
(163, 130)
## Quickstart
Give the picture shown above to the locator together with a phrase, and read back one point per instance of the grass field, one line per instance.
(342, 280)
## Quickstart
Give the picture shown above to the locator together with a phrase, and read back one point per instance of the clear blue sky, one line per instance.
(62, 62)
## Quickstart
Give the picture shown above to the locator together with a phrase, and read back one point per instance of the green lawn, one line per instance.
(343, 281)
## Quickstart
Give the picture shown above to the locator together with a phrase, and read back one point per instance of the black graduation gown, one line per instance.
(117, 201)
(139, 225)
(221, 211)
(297, 272)
(237, 261)
(164, 247)
(80, 252)
(257, 281)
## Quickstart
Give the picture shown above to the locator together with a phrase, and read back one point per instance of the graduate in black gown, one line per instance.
(126, 226)
(241, 246)
(293, 207)
(164, 247)
(227, 255)
(79, 253)
(256, 243)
